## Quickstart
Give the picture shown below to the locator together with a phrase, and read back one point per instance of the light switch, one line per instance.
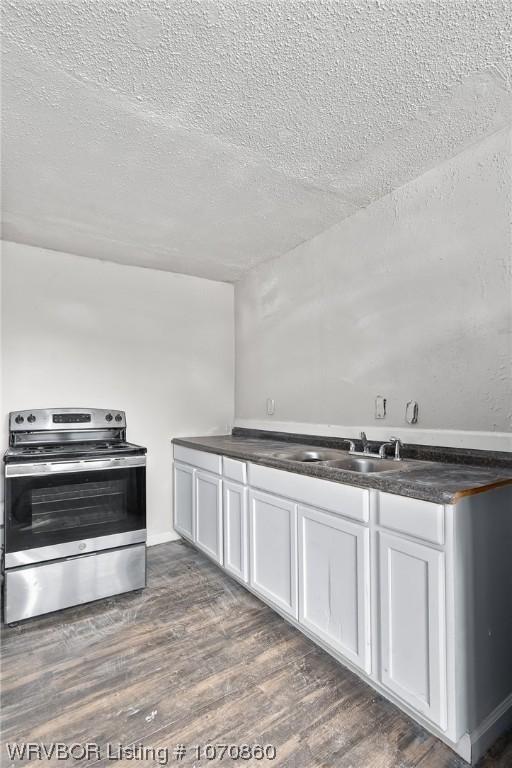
(271, 406)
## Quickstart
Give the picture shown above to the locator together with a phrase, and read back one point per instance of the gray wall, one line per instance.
(409, 298)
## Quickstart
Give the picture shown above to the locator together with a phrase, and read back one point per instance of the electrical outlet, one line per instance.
(411, 412)
(380, 407)
(271, 406)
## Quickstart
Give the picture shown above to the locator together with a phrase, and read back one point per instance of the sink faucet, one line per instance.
(365, 447)
(393, 442)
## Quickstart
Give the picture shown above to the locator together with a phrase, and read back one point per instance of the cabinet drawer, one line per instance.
(341, 499)
(234, 470)
(200, 459)
(421, 519)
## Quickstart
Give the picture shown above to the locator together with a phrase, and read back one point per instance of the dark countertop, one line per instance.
(443, 482)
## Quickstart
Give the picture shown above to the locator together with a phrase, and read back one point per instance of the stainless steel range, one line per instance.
(75, 510)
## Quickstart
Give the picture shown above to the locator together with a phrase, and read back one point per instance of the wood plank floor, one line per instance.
(196, 659)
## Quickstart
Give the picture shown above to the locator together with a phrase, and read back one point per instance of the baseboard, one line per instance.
(451, 438)
(162, 538)
(490, 729)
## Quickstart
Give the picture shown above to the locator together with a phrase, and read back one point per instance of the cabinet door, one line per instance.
(208, 514)
(273, 550)
(236, 535)
(334, 583)
(413, 632)
(184, 500)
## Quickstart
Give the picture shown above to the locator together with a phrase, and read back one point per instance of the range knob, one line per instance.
(109, 417)
(31, 418)
(119, 417)
(19, 419)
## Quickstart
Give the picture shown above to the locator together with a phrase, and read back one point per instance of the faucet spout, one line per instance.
(393, 442)
(364, 441)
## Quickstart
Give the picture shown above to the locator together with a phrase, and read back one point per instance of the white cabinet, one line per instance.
(184, 500)
(334, 583)
(273, 550)
(412, 624)
(208, 514)
(236, 534)
(303, 546)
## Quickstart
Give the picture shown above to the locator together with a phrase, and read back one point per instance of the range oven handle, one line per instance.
(83, 465)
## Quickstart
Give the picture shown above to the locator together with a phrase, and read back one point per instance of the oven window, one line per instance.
(46, 510)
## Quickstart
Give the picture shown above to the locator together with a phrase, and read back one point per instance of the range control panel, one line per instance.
(71, 418)
(41, 419)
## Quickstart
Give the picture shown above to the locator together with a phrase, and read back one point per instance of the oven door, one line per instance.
(61, 509)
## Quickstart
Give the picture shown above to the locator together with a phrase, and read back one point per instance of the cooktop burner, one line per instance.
(75, 447)
(70, 450)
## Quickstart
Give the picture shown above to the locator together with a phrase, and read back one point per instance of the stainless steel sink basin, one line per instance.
(364, 465)
(340, 459)
(310, 455)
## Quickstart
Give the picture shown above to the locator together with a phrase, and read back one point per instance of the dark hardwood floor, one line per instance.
(196, 659)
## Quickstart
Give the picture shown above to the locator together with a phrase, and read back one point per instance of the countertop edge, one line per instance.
(480, 489)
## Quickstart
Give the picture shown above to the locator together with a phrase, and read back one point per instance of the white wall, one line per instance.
(1, 411)
(409, 298)
(80, 332)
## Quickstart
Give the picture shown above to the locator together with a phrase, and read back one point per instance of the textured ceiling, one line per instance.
(207, 136)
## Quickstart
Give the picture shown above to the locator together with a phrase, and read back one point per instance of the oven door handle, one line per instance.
(63, 467)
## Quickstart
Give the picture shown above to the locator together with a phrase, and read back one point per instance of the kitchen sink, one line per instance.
(340, 460)
(310, 455)
(364, 465)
